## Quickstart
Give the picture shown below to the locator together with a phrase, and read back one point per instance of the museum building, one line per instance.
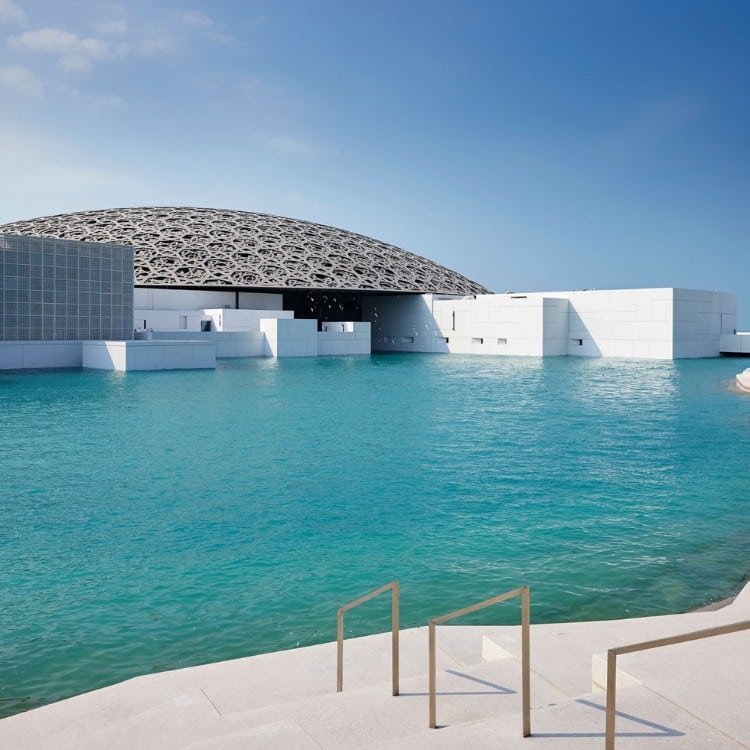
(164, 287)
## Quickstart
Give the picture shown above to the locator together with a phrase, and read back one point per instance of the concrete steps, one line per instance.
(645, 721)
(359, 717)
(686, 696)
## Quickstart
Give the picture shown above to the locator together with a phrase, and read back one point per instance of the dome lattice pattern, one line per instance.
(202, 247)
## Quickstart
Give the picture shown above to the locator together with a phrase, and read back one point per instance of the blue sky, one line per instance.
(530, 145)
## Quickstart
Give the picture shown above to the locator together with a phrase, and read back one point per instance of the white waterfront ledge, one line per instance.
(691, 695)
(149, 355)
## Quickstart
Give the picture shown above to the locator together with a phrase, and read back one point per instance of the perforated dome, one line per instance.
(204, 247)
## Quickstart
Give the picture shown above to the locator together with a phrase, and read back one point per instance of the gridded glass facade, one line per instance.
(57, 290)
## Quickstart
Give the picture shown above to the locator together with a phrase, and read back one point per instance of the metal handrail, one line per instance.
(613, 653)
(523, 592)
(393, 585)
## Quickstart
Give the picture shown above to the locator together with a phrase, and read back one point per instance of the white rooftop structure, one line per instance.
(210, 248)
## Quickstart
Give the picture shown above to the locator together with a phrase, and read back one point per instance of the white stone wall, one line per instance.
(184, 309)
(228, 345)
(198, 299)
(555, 327)
(168, 320)
(700, 319)
(403, 323)
(737, 343)
(180, 299)
(300, 338)
(659, 323)
(222, 319)
(290, 337)
(339, 339)
(516, 325)
(242, 320)
(32, 355)
(499, 324)
(632, 323)
(149, 355)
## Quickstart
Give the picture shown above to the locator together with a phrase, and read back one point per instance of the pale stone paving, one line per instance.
(692, 695)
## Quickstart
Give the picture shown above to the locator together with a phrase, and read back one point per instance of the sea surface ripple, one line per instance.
(157, 520)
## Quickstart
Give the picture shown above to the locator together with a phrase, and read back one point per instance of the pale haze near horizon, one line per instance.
(528, 145)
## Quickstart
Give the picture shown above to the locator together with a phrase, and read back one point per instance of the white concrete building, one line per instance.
(254, 285)
(662, 323)
(186, 309)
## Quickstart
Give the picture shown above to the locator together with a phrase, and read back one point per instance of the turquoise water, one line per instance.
(157, 520)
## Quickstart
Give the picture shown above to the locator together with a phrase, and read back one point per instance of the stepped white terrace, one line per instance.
(692, 695)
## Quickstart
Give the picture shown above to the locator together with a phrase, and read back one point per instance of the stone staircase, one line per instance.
(686, 696)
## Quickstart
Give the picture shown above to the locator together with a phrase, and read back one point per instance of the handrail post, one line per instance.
(394, 638)
(613, 653)
(525, 594)
(339, 651)
(433, 680)
(393, 585)
(526, 659)
(609, 740)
